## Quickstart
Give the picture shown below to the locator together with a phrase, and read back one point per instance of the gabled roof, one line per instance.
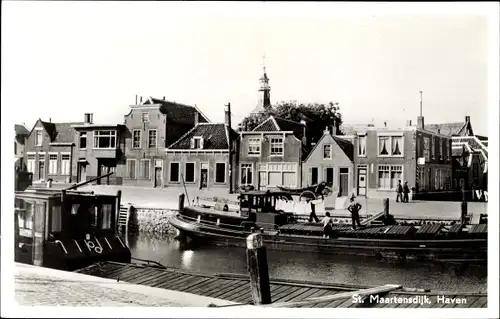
(276, 124)
(452, 129)
(21, 129)
(64, 133)
(215, 137)
(177, 112)
(346, 146)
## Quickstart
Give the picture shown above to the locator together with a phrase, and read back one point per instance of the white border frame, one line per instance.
(170, 181)
(194, 172)
(215, 175)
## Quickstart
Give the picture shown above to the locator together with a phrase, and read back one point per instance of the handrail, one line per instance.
(87, 182)
(62, 245)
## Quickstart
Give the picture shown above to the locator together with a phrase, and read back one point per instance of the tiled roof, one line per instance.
(351, 129)
(64, 133)
(346, 147)
(178, 113)
(448, 129)
(214, 136)
(273, 124)
(21, 130)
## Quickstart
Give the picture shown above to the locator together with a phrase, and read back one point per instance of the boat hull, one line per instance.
(438, 250)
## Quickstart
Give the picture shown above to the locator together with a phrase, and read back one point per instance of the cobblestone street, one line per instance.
(36, 286)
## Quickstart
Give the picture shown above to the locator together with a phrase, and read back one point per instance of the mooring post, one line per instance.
(386, 206)
(257, 268)
(464, 212)
(118, 208)
(181, 201)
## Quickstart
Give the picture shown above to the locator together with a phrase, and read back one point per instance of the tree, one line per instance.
(317, 116)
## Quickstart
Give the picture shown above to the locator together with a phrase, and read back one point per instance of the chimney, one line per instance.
(140, 99)
(227, 115)
(136, 99)
(326, 130)
(334, 127)
(467, 118)
(420, 122)
(50, 120)
(196, 118)
(439, 130)
(88, 118)
(164, 98)
(304, 132)
(408, 123)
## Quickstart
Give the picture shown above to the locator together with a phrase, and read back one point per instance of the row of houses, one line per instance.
(167, 144)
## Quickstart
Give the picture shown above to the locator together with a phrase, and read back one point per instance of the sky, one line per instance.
(63, 59)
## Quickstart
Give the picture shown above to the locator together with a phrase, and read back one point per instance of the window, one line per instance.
(254, 146)
(65, 164)
(107, 213)
(362, 145)
(152, 139)
(145, 117)
(329, 175)
(38, 137)
(145, 164)
(277, 146)
(31, 163)
(327, 151)
(441, 152)
(220, 173)
(314, 176)
(189, 171)
(136, 139)
(25, 215)
(426, 148)
(53, 164)
(433, 148)
(104, 139)
(246, 174)
(390, 145)
(174, 172)
(436, 178)
(131, 168)
(56, 219)
(197, 142)
(389, 176)
(83, 140)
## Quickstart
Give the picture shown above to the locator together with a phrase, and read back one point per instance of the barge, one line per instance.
(380, 236)
(67, 229)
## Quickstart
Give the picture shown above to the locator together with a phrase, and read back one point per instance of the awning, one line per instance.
(82, 160)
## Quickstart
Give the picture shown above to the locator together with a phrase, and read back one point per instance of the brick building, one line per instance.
(383, 156)
(50, 151)
(201, 159)
(271, 154)
(331, 161)
(150, 127)
(98, 151)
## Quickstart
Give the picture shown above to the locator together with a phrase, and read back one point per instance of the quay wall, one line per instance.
(151, 220)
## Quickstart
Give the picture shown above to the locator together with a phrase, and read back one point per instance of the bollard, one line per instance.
(464, 213)
(386, 206)
(181, 202)
(257, 268)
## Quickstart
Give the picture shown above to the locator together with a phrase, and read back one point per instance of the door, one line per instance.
(362, 181)
(344, 182)
(157, 176)
(314, 176)
(41, 170)
(204, 175)
(82, 172)
(262, 180)
(329, 176)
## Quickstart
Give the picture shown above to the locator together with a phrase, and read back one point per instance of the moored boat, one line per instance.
(380, 235)
(67, 229)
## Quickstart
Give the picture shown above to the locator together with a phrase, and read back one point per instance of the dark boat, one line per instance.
(380, 236)
(67, 229)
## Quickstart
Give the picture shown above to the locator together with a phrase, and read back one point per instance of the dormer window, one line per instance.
(145, 117)
(197, 142)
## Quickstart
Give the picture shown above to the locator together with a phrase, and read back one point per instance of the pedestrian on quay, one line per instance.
(399, 192)
(327, 225)
(354, 208)
(406, 191)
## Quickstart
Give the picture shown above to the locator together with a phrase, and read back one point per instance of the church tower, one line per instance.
(264, 102)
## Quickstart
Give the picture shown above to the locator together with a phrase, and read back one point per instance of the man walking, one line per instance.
(406, 191)
(354, 208)
(399, 191)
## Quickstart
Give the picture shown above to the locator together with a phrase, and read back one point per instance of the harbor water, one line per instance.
(310, 266)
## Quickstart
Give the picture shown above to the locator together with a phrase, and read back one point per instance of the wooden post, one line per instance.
(386, 206)
(118, 208)
(39, 213)
(464, 212)
(257, 268)
(181, 202)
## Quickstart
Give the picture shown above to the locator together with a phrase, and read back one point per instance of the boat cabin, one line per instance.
(67, 229)
(260, 207)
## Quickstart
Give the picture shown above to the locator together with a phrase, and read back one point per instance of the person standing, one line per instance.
(354, 208)
(399, 192)
(327, 225)
(406, 192)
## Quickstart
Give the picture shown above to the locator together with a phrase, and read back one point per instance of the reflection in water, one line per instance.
(310, 266)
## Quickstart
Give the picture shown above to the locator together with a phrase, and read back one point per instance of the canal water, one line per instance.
(310, 266)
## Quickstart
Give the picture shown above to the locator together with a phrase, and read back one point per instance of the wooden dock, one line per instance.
(288, 293)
